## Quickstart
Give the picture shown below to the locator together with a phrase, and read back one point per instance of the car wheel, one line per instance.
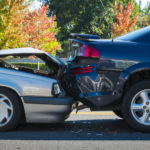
(10, 110)
(118, 113)
(136, 106)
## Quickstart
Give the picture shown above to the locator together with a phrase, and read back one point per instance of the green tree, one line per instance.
(81, 16)
(144, 17)
(86, 16)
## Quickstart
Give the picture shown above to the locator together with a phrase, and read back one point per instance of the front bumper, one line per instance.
(47, 109)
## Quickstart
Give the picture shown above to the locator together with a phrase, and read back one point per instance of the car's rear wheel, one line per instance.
(136, 106)
(10, 110)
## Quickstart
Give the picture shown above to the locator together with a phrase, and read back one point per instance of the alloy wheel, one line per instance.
(140, 107)
(6, 110)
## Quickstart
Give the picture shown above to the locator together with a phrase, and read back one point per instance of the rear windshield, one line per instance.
(141, 35)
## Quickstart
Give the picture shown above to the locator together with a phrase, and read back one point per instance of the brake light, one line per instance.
(82, 70)
(88, 51)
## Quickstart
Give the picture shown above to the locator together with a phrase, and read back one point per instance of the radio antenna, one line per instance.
(109, 17)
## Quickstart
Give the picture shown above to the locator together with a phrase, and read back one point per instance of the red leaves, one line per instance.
(32, 29)
(124, 22)
(39, 27)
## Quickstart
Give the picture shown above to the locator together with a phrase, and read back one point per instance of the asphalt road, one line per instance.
(85, 131)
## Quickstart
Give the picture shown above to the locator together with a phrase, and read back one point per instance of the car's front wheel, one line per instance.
(10, 110)
(136, 106)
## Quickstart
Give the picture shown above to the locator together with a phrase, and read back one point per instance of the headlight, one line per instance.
(57, 91)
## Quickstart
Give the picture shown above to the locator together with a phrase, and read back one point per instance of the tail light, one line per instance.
(76, 71)
(88, 51)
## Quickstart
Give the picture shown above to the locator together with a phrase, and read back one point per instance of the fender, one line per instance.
(10, 84)
(135, 68)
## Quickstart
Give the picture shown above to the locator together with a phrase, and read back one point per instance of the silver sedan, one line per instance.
(30, 94)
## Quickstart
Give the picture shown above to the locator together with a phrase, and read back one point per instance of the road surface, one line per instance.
(84, 131)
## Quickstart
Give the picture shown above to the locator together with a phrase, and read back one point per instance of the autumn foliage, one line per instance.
(30, 29)
(13, 33)
(124, 22)
(11, 12)
(41, 30)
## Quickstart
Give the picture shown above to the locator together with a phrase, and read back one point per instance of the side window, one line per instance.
(29, 63)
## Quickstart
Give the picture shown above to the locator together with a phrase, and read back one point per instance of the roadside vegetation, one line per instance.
(20, 27)
(42, 66)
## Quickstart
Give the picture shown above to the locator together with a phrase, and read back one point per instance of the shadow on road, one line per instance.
(106, 129)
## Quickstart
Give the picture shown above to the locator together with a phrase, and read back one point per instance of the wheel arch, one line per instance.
(135, 74)
(131, 76)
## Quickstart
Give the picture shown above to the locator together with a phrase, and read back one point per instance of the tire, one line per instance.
(118, 113)
(136, 106)
(11, 110)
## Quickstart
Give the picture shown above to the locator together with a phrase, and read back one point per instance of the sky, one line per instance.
(36, 4)
(144, 2)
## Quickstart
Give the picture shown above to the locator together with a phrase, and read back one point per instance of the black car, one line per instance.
(112, 75)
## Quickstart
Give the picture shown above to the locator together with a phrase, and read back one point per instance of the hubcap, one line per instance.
(140, 107)
(6, 110)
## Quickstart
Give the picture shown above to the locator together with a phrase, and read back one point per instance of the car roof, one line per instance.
(20, 51)
(140, 35)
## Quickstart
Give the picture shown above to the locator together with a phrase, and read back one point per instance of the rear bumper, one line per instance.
(99, 90)
(47, 109)
(102, 100)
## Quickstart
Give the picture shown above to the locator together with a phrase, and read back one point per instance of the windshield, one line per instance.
(56, 59)
(137, 36)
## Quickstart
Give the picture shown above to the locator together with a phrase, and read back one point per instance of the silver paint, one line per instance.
(45, 113)
(26, 84)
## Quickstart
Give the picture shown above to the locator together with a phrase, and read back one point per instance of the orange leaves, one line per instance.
(124, 22)
(32, 29)
(13, 34)
(40, 29)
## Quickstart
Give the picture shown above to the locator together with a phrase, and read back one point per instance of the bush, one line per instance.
(32, 65)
